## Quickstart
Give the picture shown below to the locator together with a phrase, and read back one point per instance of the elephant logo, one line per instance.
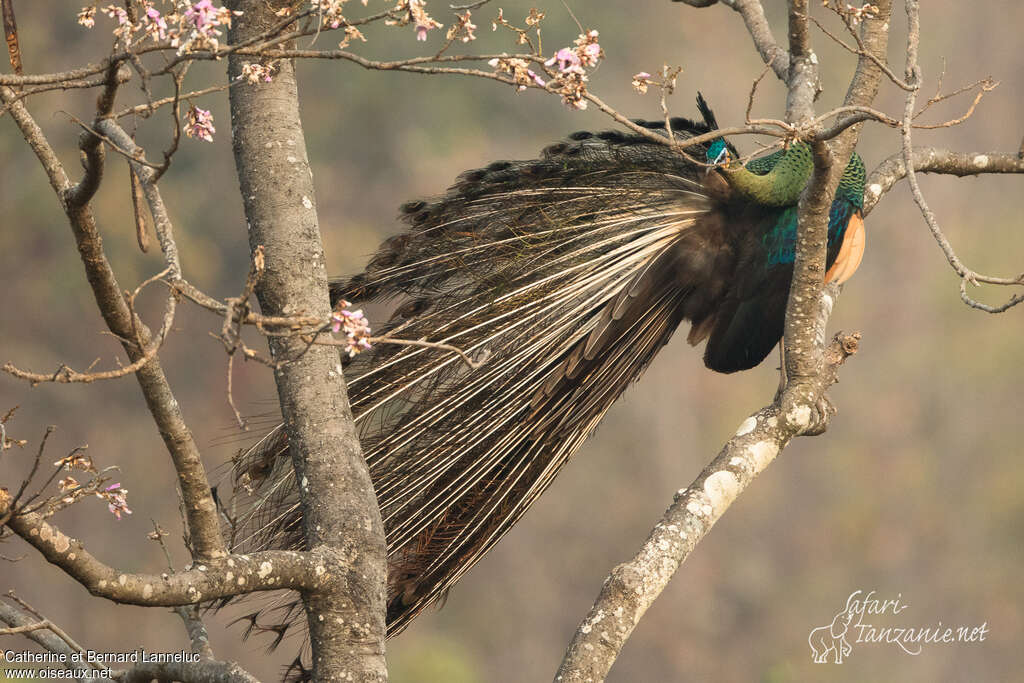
(831, 639)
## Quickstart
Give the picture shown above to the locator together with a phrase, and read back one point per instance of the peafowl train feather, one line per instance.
(564, 274)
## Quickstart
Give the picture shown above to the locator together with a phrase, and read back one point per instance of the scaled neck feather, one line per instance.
(779, 187)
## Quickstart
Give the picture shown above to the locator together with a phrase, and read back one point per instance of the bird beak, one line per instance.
(723, 156)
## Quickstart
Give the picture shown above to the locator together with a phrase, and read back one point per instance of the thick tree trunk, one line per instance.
(346, 617)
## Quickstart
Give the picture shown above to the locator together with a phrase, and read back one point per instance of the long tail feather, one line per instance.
(566, 274)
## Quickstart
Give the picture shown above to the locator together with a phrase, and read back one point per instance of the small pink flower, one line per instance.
(254, 73)
(355, 326)
(116, 498)
(415, 12)
(156, 25)
(641, 81)
(423, 24)
(116, 13)
(200, 124)
(566, 59)
(201, 14)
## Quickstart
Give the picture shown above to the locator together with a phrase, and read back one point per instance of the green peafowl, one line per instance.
(564, 275)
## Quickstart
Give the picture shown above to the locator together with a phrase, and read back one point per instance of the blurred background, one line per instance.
(915, 490)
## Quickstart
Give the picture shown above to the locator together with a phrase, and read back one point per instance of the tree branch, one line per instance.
(44, 633)
(761, 33)
(135, 337)
(205, 671)
(802, 78)
(801, 408)
(913, 77)
(803, 354)
(634, 585)
(935, 160)
(229, 576)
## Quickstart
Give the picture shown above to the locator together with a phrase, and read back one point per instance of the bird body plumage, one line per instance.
(564, 274)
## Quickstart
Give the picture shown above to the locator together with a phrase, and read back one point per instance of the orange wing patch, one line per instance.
(850, 252)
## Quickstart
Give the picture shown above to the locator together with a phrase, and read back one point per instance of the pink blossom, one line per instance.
(116, 13)
(641, 81)
(156, 25)
(423, 23)
(254, 73)
(591, 53)
(567, 60)
(355, 326)
(413, 11)
(117, 501)
(201, 14)
(200, 124)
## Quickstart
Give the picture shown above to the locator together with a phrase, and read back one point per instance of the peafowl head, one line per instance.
(774, 180)
(718, 152)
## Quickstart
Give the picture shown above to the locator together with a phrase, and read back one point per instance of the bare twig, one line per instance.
(753, 91)
(231, 396)
(987, 85)
(141, 230)
(471, 6)
(13, 503)
(150, 107)
(120, 320)
(862, 52)
(66, 375)
(90, 145)
(667, 87)
(63, 85)
(190, 616)
(472, 364)
(913, 75)
(11, 35)
(27, 621)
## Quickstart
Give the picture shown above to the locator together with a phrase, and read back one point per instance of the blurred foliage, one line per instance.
(914, 490)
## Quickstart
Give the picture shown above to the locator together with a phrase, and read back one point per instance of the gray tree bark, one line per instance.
(340, 514)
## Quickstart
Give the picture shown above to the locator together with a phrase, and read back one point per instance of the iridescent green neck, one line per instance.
(779, 187)
(851, 184)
